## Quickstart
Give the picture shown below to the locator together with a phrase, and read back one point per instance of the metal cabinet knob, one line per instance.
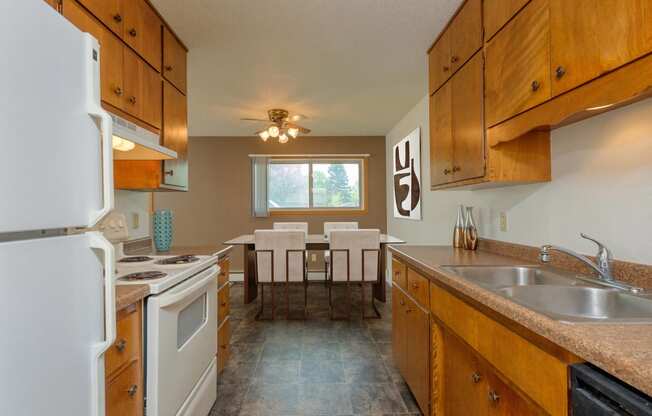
(454, 59)
(121, 345)
(402, 302)
(118, 91)
(456, 169)
(223, 304)
(447, 171)
(475, 377)
(117, 17)
(132, 99)
(535, 85)
(132, 390)
(133, 32)
(493, 396)
(168, 67)
(560, 72)
(169, 172)
(415, 285)
(446, 68)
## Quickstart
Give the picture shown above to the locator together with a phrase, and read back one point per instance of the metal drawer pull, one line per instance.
(118, 91)
(456, 169)
(117, 18)
(132, 390)
(447, 171)
(560, 72)
(133, 32)
(169, 172)
(121, 345)
(168, 67)
(132, 99)
(535, 85)
(475, 377)
(493, 396)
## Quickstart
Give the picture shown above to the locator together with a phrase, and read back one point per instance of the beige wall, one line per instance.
(217, 206)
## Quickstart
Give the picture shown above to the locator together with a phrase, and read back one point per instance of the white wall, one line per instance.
(602, 185)
(136, 207)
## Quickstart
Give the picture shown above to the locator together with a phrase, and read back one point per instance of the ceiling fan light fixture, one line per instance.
(264, 135)
(283, 138)
(273, 131)
(293, 131)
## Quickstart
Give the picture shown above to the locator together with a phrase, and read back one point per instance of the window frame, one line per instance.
(312, 210)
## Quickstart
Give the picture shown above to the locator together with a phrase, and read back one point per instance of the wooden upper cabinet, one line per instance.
(468, 129)
(518, 64)
(591, 37)
(142, 90)
(465, 33)
(174, 60)
(142, 31)
(441, 136)
(439, 62)
(111, 52)
(175, 136)
(55, 4)
(108, 11)
(497, 13)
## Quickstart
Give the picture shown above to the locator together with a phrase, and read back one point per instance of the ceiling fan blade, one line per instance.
(297, 117)
(296, 126)
(255, 119)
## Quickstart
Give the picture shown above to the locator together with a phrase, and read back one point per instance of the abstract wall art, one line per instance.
(406, 162)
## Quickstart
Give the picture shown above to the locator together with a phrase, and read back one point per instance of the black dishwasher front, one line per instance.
(596, 393)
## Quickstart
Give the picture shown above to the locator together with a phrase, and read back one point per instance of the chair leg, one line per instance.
(259, 315)
(376, 314)
(330, 300)
(273, 303)
(348, 296)
(287, 300)
(305, 299)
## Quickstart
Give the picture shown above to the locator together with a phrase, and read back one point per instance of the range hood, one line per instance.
(132, 142)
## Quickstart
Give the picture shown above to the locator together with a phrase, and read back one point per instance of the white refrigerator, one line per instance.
(57, 309)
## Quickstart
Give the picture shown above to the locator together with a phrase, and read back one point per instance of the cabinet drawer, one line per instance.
(523, 363)
(223, 277)
(223, 304)
(127, 342)
(124, 394)
(223, 344)
(518, 64)
(399, 274)
(418, 287)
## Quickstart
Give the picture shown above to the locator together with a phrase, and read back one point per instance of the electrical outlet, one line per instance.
(135, 220)
(313, 257)
(503, 222)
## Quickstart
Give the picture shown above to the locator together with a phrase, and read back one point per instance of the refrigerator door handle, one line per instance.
(94, 106)
(99, 242)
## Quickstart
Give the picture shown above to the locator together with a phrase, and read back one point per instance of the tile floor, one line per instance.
(316, 367)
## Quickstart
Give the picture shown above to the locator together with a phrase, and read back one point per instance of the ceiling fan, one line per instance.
(280, 124)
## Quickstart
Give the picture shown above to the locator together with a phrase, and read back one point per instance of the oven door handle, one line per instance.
(180, 293)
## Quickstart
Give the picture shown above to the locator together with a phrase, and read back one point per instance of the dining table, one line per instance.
(314, 242)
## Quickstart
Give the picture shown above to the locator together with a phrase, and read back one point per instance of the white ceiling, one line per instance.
(355, 67)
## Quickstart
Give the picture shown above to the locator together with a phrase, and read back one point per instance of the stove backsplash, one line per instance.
(136, 206)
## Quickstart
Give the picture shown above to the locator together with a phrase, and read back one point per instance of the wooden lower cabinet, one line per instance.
(123, 365)
(223, 344)
(223, 314)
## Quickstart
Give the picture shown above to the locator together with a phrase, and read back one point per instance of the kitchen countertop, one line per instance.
(129, 294)
(625, 351)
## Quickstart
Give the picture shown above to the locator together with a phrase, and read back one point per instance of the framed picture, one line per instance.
(406, 167)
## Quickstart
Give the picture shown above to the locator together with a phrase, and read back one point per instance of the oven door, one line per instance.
(181, 341)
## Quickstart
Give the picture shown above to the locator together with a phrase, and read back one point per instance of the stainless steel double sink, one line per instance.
(560, 295)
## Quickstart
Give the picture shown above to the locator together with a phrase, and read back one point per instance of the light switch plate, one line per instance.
(503, 222)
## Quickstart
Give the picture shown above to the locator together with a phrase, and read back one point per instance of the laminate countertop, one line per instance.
(129, 294)
(624, 351)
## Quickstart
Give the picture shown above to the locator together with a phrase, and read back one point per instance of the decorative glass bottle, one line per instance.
(458, 231)
(470, 231)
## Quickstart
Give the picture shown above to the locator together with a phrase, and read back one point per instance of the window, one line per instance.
(315, 184)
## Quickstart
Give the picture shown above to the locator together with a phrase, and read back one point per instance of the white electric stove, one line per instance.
(180, 330)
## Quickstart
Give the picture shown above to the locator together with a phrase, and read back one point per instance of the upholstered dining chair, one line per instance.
(301, 226)
(328, 227)
(280, 259)
(354, 260)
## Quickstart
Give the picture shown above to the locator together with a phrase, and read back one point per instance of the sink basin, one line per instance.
(494, 277)
(582, 304)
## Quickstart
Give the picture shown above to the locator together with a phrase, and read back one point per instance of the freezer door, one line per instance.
(57, 317)
(55, 163)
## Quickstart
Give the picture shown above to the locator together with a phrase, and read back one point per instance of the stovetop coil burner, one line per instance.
(185, 259)
(149, 275)
(135, 259)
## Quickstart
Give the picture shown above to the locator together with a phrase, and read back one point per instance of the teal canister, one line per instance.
(163, 229)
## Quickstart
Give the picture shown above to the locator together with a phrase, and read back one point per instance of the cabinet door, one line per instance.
(437, 352)
(175, 136)
(468, 130)
(466, 33)
(174, 60)
(54, 4)
(142, 31)
(441, 136)
(134, 70)
(417, 372)
(591, 37)
(108, 11)
(465, 382)
(497, 13)
(439, 62)
(504, 401)
(223, 344)
(399, 330)
(111, 59)
(127, 345)
(518, 64)
(124, 394)
(152, 93)
(223, 304)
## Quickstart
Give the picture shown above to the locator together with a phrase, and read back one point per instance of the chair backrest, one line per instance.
(355, 241)
(302, 226)
(279, 242)
(330, 226)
